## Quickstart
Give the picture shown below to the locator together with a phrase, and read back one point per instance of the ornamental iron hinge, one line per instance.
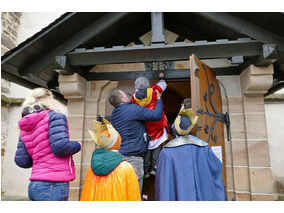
(219, 116)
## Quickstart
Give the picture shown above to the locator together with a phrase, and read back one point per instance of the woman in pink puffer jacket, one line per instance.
(44, 145)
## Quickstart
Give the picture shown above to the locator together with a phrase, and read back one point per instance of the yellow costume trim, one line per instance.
(145, 101)
(103, 140)
(189, 114)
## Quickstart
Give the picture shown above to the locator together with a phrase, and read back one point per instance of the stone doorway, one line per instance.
(172, 98)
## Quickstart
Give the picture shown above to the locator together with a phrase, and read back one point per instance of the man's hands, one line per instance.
(158, 94)
(161, 75)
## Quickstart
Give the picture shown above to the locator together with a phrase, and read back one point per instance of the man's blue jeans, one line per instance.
(48, 191)
(137, 164)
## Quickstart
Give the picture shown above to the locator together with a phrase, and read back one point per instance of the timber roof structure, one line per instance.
(75, 42)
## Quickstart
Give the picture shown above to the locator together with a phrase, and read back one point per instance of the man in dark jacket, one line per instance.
(128, 119)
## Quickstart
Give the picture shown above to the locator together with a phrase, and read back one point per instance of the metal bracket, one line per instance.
(225, 118)
(159, 65)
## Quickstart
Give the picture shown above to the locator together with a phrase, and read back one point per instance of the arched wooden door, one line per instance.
(207, 104)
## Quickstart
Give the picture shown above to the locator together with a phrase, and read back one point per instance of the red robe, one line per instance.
(155, 129)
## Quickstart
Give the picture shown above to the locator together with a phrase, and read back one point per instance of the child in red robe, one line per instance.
(146, 96)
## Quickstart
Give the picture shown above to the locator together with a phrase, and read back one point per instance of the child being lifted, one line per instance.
(146, 96)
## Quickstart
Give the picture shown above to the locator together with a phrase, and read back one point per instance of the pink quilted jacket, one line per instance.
(36, 135)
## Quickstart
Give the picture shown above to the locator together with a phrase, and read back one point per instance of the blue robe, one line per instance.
(188, 170)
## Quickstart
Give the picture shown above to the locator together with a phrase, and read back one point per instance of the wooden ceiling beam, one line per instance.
(245, 28)
(75, 40)
(161, 52)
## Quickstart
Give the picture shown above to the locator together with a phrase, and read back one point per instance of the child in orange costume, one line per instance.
(109, 178)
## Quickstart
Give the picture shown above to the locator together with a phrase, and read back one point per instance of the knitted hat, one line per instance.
(141, 93)
(184, 122)
(105, 136)
(141, 83)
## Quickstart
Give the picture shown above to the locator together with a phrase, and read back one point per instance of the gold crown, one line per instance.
(189, 114)
(105, 136)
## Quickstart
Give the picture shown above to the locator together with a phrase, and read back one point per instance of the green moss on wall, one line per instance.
(5, 101)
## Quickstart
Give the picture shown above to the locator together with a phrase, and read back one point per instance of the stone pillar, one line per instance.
(86, 100)
(74, 87)
(95, 104)
(247, 154)
(255, 81)
(236, 149)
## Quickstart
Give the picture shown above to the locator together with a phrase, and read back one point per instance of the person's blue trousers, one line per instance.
(48, 191)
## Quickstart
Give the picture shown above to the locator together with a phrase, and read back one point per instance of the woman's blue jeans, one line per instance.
(48, 191)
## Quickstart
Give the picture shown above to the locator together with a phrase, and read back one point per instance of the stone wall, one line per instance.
(247, 154)
(10, 22)
(9, 32)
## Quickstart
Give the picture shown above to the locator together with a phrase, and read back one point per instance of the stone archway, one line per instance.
(172, 98)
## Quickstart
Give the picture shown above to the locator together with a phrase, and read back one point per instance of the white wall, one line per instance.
(33, 22)
(15, 180)
(275, 124)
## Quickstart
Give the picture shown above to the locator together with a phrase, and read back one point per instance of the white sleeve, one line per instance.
(162, 83)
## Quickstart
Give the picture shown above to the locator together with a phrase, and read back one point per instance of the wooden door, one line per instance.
(207, 104)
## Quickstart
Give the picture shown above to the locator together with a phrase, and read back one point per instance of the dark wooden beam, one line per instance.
(74, 41)
(268, 56)
(30, 41)
(61, 66)
(117, 76)
(160, 52)
(246, 63)
(157, 22)
(178, 74)
(30, 82)
(245, 28)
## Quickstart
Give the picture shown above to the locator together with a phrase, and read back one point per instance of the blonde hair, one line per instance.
(43, 97)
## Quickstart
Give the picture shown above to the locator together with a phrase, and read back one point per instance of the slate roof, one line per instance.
(32, 62)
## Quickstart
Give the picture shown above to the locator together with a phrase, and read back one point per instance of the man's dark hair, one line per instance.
(114, 98)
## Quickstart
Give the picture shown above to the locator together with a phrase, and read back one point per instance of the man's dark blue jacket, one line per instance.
(128, 119)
